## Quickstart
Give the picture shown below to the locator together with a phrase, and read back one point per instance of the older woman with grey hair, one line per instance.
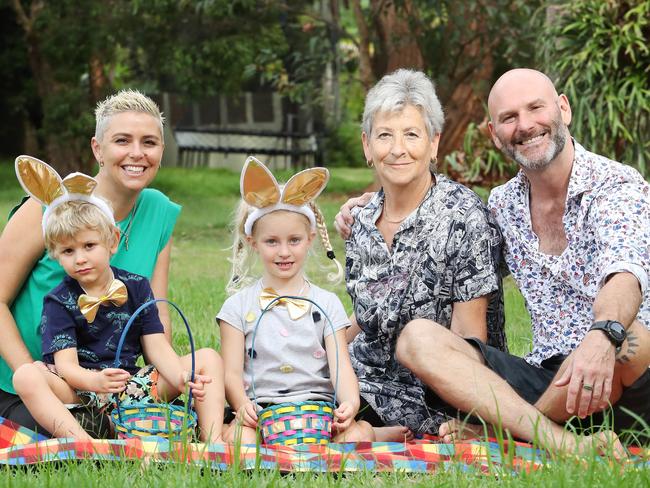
(422, 247)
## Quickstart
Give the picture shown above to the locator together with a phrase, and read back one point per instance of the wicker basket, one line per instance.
(297, 423)
(308, 422)
(137, 419)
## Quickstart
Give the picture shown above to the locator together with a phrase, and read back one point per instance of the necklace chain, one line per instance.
(127, 231)
(384, 214)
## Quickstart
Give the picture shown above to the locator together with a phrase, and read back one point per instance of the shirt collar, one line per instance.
(580, 180)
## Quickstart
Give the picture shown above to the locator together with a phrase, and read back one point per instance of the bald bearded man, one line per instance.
(576, 228)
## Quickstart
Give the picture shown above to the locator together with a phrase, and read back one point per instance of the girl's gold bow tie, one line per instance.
(296, 308)
(116, 295)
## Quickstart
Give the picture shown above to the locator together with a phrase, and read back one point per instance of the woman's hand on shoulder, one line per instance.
(344, 220)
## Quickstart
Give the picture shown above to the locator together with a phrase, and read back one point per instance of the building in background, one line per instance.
(221, 131)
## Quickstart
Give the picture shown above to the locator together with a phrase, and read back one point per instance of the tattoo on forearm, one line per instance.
(629, 349)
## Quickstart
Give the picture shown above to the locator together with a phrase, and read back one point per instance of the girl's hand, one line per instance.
(247, 415)
(343, 416)
(111, 380)
(197, 386)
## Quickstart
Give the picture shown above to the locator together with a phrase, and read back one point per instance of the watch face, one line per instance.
(617, 331)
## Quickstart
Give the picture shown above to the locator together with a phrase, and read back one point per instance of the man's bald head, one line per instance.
(528, 119)
(516, 81)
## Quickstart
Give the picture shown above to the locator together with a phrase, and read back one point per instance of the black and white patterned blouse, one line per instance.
(446, 251)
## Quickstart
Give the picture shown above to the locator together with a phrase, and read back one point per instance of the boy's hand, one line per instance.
(197, 386)
(111, 380)
(247, 415)
(343, 416)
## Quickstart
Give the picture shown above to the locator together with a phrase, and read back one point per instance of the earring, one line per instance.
(370, 163)
(101, 164)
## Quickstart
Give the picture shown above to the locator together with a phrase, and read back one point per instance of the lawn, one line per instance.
(199, 271)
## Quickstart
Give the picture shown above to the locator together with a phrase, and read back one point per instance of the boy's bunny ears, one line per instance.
(261, 191)
(44, 184)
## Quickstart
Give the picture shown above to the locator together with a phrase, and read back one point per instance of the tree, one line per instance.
(599, 54)
(78, 55)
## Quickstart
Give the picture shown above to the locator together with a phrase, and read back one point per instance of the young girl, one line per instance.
(84, 316)
(295, 352)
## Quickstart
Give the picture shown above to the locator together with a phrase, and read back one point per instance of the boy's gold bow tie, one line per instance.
(116, 295)
(296, 308)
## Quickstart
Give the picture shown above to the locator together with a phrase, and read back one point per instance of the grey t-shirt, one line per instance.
(289, 361)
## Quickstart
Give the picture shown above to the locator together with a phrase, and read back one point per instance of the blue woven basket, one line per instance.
(138, 419)
(289, 423)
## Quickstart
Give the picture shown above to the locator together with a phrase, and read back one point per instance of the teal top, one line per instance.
(145, 233)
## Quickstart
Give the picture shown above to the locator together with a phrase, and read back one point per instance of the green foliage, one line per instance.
(479, 162)
(599, 53)
(458, 39)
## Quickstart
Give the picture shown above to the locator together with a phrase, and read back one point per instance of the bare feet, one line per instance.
(605, 443)
(457, 430)
(393, 433)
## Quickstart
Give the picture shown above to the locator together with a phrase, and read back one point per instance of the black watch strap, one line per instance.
(614, 331)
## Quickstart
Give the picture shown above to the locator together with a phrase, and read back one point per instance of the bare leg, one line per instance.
(455, 371)
(210, 410)
(631, 362)
(44, 395)
(458, 429)
(393, 433)
(360, 431)
(241, 434)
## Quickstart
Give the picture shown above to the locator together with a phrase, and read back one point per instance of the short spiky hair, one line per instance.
(125, 101)
(72, 217)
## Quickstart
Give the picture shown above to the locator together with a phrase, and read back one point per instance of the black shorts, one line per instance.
(95, 422)
(530, 382)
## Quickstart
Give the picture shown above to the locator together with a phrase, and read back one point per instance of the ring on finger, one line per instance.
(587, 387)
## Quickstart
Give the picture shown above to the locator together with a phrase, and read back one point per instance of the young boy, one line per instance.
(80, 334)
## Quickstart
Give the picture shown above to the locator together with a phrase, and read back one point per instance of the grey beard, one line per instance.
(555, 147)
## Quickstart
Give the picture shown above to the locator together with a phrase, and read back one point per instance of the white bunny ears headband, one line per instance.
(44, 184)
(261, 191)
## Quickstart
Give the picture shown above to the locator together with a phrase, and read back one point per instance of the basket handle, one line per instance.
(257, 324)
(118, 352)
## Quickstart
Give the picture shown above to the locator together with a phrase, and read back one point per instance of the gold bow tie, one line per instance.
(116, 295)
(296, 308)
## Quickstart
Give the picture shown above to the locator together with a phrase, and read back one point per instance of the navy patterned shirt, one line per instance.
(446, 251)
(63, 326)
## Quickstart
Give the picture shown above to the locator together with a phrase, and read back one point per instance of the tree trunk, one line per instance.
(470, 85)
(365, 61)
(98, 79)
(62, 154)
(398, 46)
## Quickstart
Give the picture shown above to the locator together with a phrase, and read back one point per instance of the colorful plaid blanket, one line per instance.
(21, 446)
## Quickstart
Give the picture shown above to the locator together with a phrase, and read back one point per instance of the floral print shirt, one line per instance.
(446, 251)
(607, 225)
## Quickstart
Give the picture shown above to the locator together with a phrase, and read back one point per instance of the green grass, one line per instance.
(198, 275)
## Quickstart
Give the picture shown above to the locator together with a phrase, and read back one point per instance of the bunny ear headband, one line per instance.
(261, 191)
(44, 184)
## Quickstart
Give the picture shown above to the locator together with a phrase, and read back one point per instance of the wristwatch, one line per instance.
(614, 331)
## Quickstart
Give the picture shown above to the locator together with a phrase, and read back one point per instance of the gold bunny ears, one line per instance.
(260, 190)
(44, 184)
